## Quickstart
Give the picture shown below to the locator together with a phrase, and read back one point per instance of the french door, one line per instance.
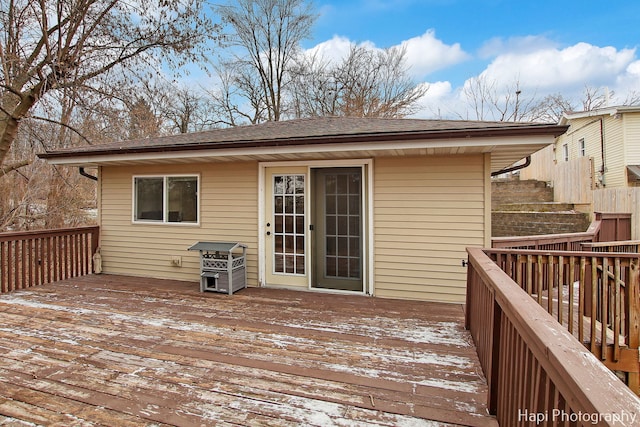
(338, 220)
(314, 227)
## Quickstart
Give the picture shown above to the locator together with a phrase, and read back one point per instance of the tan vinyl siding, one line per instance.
(228, 212)
(427, 210)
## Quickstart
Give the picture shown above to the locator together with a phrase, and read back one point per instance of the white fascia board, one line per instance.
(490, 143)
(607, 111)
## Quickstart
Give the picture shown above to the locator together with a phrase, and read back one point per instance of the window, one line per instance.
(565, 152)
(582, 147)
(166, 199)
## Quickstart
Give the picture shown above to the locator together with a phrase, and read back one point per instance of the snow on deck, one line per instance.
(114, 350)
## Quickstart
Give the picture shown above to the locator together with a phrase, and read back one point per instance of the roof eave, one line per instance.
(535, 130)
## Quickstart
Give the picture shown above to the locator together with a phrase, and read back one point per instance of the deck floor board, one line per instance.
(116, 350)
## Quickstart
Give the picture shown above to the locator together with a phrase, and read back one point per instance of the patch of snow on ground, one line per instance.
(445, 333)
(465, 387)
(14, 299)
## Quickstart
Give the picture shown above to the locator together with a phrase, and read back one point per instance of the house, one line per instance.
(382, 207)
(607, 137)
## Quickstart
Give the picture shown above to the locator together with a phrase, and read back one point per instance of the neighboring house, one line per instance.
(382, 207)
(608, 137)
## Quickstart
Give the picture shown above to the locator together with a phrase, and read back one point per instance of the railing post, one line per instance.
(633, 301)
(493, 378)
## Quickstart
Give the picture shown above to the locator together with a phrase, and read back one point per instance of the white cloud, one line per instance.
(336, 48)
(426, 54)
(441, 101)
(629, 82)
(540, 72)
(551, 69)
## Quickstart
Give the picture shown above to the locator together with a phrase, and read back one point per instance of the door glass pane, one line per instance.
(288, 217)
(343, 225)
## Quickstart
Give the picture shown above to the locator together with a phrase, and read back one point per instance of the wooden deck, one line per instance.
(122, 351)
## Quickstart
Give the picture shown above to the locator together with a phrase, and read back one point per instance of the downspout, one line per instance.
(526, 163)
(604, 168)
(85, 174)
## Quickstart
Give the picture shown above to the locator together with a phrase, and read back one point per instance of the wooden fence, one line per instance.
(573, 181)
(620, 200)
(37, 257)
(538, 373)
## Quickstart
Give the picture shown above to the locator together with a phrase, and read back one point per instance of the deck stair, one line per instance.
(527, 207)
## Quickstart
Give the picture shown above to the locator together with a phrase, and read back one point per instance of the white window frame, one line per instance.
(582, 147)
(565, 152)
(165, 207)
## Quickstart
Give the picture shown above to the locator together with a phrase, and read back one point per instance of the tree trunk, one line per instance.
(13, 110)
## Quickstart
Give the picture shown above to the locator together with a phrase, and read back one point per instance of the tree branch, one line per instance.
(9, 168)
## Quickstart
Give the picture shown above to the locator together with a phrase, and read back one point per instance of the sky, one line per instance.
(547, 47)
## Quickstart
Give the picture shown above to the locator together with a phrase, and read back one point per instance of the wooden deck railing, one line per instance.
(37, 257)
(630, 246)
(605, 226)
(538, 372)
(594, 295)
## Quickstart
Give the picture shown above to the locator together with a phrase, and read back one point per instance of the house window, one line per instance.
(582, 147)
(565, 152)
(166, 199)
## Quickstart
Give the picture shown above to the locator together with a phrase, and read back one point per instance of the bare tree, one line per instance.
(478, 92)
(269, 33)
(367, 83)
(314, 89)
(188, 110)
(506, 103)
(143, 123)
(551, 108)
(49, 45)
(594, 98)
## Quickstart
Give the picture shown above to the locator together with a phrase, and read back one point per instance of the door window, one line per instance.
(289, 224)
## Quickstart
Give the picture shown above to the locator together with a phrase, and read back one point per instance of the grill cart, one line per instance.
(222, 267)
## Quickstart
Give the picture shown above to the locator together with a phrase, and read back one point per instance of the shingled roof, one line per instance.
(325, 130)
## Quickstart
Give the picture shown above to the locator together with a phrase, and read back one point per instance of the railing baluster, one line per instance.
(550, 280)
(633, 313)
(593, 302)
(540, 280)
(581, 298)
(560, 280)
(616, 308)
(3, 268)
(604, 307)
(571, 284)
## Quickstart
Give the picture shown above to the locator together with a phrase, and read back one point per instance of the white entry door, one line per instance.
(287, 227)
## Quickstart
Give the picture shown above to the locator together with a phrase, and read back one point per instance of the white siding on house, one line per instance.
(587, 129)
(632, 138)
(427, 210)
(615, 174)
(228, 212)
